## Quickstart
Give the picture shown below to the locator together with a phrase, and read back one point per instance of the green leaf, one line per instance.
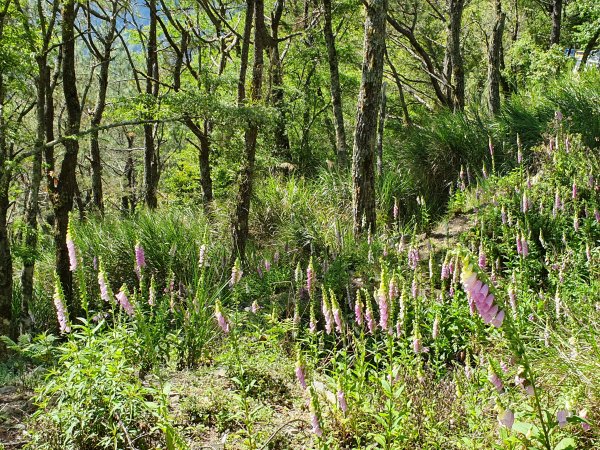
(566, 444)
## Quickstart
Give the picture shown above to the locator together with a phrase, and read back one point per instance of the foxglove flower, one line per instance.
(104, 295)
(300, 374)
(507, 418)
(255, 307)
(395, 210)
(327, 313)
(267, 265)
(393, 289)
(236, 273)
(369, 317)
(314, 415)
(335, 309)
(124, 301)
(221, 320)
(561, 417)
(358, 309)
(495, 380)
(436, 327)
(342, 400)
(413, 258)
(482, 260)
(310, 277)
(383, 306)
(61, 311)
(72, 252)
(478, 295)
(583, 415)
(140, 258)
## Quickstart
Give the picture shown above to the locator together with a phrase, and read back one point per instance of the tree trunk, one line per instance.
(150, 151)
(62, 200)
(336, 91)
(6, 269)
(589, 47)
(453, 63)
(42, 84)
(380, 128)
(556, 13)
(363, 177)
(96, 164)
(282, 141)
(242, 211)
(128, 200)
(494, 60)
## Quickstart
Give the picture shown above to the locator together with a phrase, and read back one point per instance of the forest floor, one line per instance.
(15, 407)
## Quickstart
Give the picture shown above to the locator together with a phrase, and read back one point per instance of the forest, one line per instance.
(299, 224)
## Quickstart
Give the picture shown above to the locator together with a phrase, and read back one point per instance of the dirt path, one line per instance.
(15, 407)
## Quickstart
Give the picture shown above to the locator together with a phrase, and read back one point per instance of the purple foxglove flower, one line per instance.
(525, 246)
(416, 345)
(583, 415)
(519, 245)
(393, 289)
(370, 321)
(316, 428)
(124, 302)
(259, 271)
(95, 263)
(574, 191)
(255, 307)
(140, 256)
(72, 253)
(358, 310)
(504, 366)
(561, 417)
(221, 320)
(103, 287)
(300, 375)
(525, 204)
(267, 265)
(413, 258)
(512, 297)
(436, 328)
(445, 271)
(337, 318)
(383, 310)
(498, 319)
(414, 290)
(312, 326)
(507, 419)
(61, 312)
(342, 401)
(496, 381)
(482, 258)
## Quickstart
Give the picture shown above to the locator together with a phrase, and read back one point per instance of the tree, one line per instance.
(494, 61)
(363, 153)
(336, 91)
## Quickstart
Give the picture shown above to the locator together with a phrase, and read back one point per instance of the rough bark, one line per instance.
(152, 83)
(494, 60)
(556, 13)
(363, 177)
(62, 198)
(242, 210)
(454, 73)
(282, 141)
(336, 91)
(6, 268)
